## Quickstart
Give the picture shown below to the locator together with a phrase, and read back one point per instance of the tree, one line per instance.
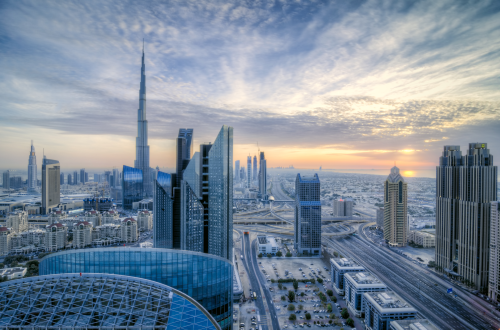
(329, 308)
(31, 268)
(260, 255)
(279, 254)
(273, 280)
(335, 254)
(431, 264)
(329, 292)
(292, 317)
(344, 313)
(1, 265)
(302, 294)
(288, 254)
(280, 286)
(291, 295)
(301, 307)
(322, 296)
(269, 255)
(295, 285)
(320, 280)
(313, 281)
(350, 322)
(332, 316)
(308, 316)
(283, 298)
(291, 307)
(334, 298)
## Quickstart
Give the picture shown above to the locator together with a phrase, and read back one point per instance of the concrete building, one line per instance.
(129, 230)
(237, 171)
(100, 204)
(383, 307)
(267, 245)
(110, 217)
(356, 284)
(145, 220)
(6, 180)
(413, 324)
(395, 209)
(5, 236)
(106, 235)
(494, 271)
(263, 176)
(339, 267)
(15, 182)
(32, 170)
(255, 175)
(249, 172)
(56, 236)
(82, 234)
(380, 218)
(56, 216)
(343, 207)
(51, 188)
(17, 221)
(93, 217)
(466, 186)
(423, 238)
(13, 273)
(307, 231)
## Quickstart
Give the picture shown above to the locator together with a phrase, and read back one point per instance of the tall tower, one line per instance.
(32, 170)
(395, 209)
(237, 171)
(255, 178)
(141, 142)
(307, 231)
(263, 176)
(249, 171)
(51, 187)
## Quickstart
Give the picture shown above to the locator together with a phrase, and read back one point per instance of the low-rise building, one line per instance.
(267, 245)
(13, 273)
(93, 217)
(129, 230)
(17, 221)
(56, 236)
(5, 235)
(356, 284)
(106, 235)
(145, 220)
(339, 267)
(383, 307)
(422, 238)
(415, 324)
(82, 234)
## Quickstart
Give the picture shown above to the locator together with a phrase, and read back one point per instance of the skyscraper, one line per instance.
(51, 187)
(255, 170)
(61, 180)
(132, 186)
(249, 171)
(263, 177)
(395, 209)
(6, 179)
(307, 231)
(220, 195)
(141, 142)
(237, 171)
(75, 177)
(82, 176)
(494, 271)
(163, 211)
(116, 178)
(32, 170)
(69, 181)
(204, 177)
(465, 188)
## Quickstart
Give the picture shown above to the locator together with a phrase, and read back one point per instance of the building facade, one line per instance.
(144, 220)
(5, 236)
(249, 172)
(6, 180)
(425, 239)
(339, 267)
(494, 271)
(465, 188)
(163, 211)
(17, 221)
(383, 307)
(192, 210)
(237, 171)
(255, 175)
(263, 177)
(130, 232)
(307, 231)
(356, 284)
(82, 234)
(56, 236)
(343, 207)
(395, 209)
(51, 187)
(380, 218)
(267, 245)
(132, 186)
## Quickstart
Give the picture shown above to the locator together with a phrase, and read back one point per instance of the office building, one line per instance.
(255, 169)
(395, 209)
(17, 221)
(13, 273)
(206, 278)
(383, 307)
(163, 211)
(108, 178)
(343, 207)
(192, 210)
(220, 195)
(141, 143)
(15, 182)
(494, 272)
(6, 180)
(237, 171)
(249, 172)
(132, 186)
(32, 170)
(69, 181)
(466, 186)
(267, 245)
(116, 178)
(98, 301)
(51, 188)
(75, 178)
(413, 324)
(380, 218)
(356, 284)
(339, 267)
(307, 225)
(61, 180)
(263, 177)
(422, 238)
(56, 236)
(83, 176)
(242, 174)
(204, 177)
(144, 220)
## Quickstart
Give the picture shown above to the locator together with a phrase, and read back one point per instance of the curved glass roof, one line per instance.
(98, 301)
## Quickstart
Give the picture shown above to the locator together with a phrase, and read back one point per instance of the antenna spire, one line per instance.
(143, 45)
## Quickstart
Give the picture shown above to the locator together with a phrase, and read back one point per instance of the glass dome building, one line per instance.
(206, 278)
(98, 301)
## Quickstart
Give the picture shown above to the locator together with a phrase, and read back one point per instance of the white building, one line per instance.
(129, 230)
(106, 235)
(56, 236)
(383, 307)
(82, 234)
(5, 236)
(356, 284)
(110, 217)
(57, 216)
(267, 244)
(414, 324)
(13, 273)
(423, 238)
(17, 221)
(93, 217)
(339, 267)
(145, 220)
(494, 272)
(343, 207)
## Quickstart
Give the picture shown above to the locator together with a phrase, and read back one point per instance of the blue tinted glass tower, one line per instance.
(307, 215)
(132, 186)
(192, 210)
(163, 211)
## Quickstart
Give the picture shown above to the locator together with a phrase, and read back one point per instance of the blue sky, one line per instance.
(342, 84)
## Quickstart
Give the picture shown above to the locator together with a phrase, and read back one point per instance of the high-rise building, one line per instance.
(15, 182)
(237, 171)
(263, 177)
(17, 221)
(116, 178)
(62, 179)
(395, 209)
(249, 171)
(466, 186)
(255, 169)
(32, 170)
(343, 207)
(75, 178)
(494, 272)
(51, 188)
(132, 186)
(220, 195)
(69, 179)
(192, 210)
(163, 211)
(307, 231)
(242, 174)
(6, 179)
(204, 177)
(141, 144)
(82, 175)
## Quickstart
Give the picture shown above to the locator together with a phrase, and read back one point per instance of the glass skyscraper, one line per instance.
(191, 208)
(206, 278)
(307, 215)
(163, 211)
(51, 187)
(220, 195)
(132, 186)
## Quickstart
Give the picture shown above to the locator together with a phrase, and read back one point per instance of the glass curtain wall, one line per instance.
(163, 211)
(132, 186)
(191, 208)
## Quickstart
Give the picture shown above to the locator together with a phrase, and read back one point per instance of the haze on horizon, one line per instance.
(338, 84)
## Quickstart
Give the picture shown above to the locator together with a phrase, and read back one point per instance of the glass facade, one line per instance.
(220, 195)
(206, 278)
(191, 208)
(192, 174)
(307, 215)
(132, 186)
(98, 301)
(163, 211)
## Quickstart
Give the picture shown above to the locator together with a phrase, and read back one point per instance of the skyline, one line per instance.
(365, 84)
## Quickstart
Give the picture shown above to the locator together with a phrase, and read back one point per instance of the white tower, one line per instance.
(32, 170)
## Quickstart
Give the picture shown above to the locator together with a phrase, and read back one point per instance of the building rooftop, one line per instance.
(127, 219)
(364, 278)
(388, 301)
(346, 263)
(415, 324)
(11, 271)
(262, 239)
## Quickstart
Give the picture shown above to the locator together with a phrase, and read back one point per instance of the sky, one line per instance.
(337, 84)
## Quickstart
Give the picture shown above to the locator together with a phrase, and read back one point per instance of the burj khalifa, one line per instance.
(141, 142)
